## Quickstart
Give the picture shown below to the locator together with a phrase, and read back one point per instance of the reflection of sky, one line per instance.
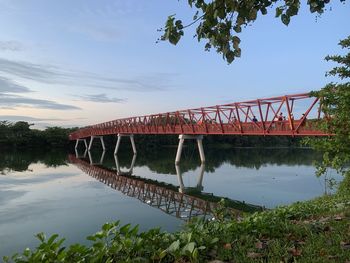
(270, 185)
(64, 201)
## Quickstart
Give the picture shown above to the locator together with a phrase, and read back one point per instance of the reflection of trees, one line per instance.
(19, 161)
(161, 159)
(258, 157)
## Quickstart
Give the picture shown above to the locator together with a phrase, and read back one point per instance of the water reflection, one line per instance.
(166, 197)
(80, 155)
(161, 160)
(267, 177)
(198, 187)
(117, 166)
(99, 162)
(19, 161)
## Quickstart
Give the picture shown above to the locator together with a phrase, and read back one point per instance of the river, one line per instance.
(74, 194)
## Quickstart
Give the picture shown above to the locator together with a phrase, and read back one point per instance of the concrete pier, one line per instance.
(131, 136)
(81, 140)
(101, 139)
(182, 139)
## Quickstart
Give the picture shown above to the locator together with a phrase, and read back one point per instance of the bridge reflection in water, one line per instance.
(181, 202)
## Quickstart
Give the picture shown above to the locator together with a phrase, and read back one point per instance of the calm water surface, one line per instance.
(59, 193)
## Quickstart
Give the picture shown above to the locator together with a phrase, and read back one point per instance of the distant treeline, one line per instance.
(20, 134)
(161, 159)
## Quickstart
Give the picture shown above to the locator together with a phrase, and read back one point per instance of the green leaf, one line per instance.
(163, 254)
(91, 238)
(214, 240)
(195, 254)
(230, 56)
(27, 252)
(125, 229)
(285, 19)
(107, 226)
(253, 14)
(279, 11)
(134, 230)
(237, 28)
(178, 24)
(41, 236)
(189, 247)
(52, 239)
(174, 246)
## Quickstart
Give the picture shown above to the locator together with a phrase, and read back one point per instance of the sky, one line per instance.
(76, 63)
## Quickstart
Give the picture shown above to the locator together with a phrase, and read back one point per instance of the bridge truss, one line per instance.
(289, 115)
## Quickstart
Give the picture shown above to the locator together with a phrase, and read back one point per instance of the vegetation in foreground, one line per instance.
(314, 231)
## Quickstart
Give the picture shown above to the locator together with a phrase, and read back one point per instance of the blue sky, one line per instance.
(73, 63)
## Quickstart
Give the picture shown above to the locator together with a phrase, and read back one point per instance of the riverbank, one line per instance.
(312, 231)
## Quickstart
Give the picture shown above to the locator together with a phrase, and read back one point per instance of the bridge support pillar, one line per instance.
(200, 178)
(80, 140)
(131, 136)
(101, 139)
(182, 139)
(130, 171)
(100, 161)
(198, 187)
(80, 156)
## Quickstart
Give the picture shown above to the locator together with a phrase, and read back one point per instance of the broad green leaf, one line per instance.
(174, 246)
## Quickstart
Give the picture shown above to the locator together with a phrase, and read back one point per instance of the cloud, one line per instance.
(49, 74)
(28, 118)
(10, 46)
(12, 101)
(9, 86)
(99, 98)
(8, 100)
(25, 70)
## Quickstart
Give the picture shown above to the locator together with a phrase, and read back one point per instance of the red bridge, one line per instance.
(231, 119)
(289, 115)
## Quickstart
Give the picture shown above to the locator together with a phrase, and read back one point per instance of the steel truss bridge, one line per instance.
(289, 115)
(231, 119)
(167, 199)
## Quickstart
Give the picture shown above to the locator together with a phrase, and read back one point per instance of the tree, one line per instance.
(220, 21)
(335, 98)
